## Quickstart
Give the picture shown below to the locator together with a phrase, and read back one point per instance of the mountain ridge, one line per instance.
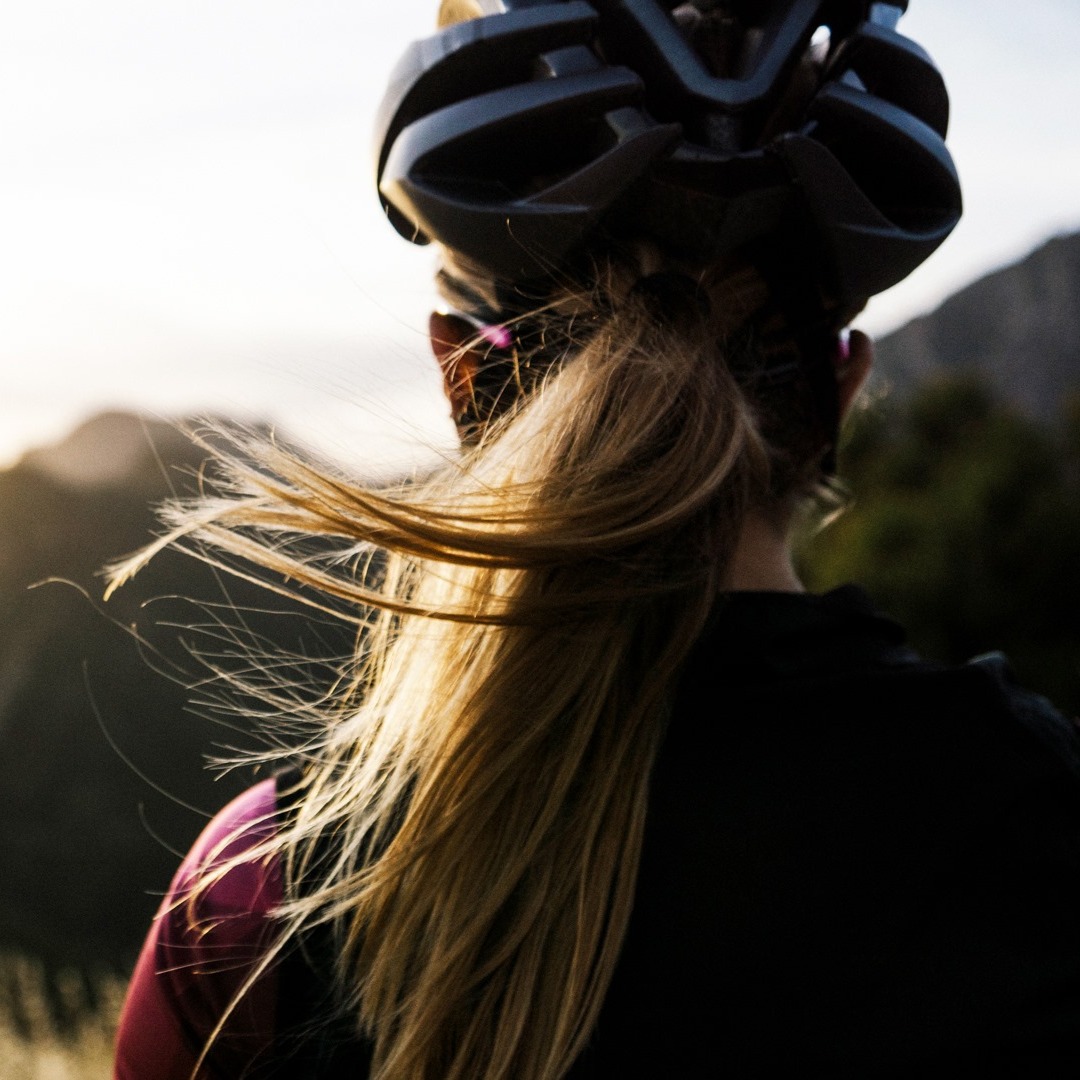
(1018, 328)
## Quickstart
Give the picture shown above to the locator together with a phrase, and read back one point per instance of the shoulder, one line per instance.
(811, 711)
(222, 876)
(217, 924)
(1057, 733)
(201, 978)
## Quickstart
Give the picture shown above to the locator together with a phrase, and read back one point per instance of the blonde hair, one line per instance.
(483, 775)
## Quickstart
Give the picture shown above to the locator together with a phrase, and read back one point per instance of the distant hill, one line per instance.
(102, 776)
(1018, 328)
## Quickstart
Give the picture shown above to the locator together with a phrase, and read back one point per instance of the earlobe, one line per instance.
(449, 335)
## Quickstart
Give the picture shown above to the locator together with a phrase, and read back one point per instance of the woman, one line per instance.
(604, 792)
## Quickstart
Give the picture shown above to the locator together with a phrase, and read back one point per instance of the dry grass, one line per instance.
(62, 1033)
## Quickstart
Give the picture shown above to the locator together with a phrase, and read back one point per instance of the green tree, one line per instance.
(965, 526)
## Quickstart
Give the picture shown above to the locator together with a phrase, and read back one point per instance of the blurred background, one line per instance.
(188, 226)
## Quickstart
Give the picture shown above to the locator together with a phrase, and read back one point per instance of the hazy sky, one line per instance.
(188, 220)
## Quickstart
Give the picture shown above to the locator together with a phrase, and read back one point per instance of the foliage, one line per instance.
(106, 717)
(965, 526)
(58, 1028)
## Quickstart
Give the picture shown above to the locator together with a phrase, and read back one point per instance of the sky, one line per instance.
(188, 221)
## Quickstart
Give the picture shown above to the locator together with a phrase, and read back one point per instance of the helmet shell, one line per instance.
(802, 132)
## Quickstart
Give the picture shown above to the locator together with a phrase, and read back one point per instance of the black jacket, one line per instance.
(854, 859)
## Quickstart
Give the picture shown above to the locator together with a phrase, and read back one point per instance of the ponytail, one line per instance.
(486, 795)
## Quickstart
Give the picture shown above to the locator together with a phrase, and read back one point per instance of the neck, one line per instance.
(762, 559)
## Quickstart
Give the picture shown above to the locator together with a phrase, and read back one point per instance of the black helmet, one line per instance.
(520, 136)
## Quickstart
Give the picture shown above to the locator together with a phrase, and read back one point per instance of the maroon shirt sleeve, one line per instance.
(198, 956)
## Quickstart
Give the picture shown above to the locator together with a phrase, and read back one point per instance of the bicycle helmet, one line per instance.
(806, 132)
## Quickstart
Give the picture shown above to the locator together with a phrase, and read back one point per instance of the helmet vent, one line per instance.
(820, 41)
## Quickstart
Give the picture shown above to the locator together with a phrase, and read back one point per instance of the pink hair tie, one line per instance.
(497, 335)
(843, 347)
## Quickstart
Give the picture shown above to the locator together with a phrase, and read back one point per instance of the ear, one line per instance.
(853, 365)
(449, 335)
